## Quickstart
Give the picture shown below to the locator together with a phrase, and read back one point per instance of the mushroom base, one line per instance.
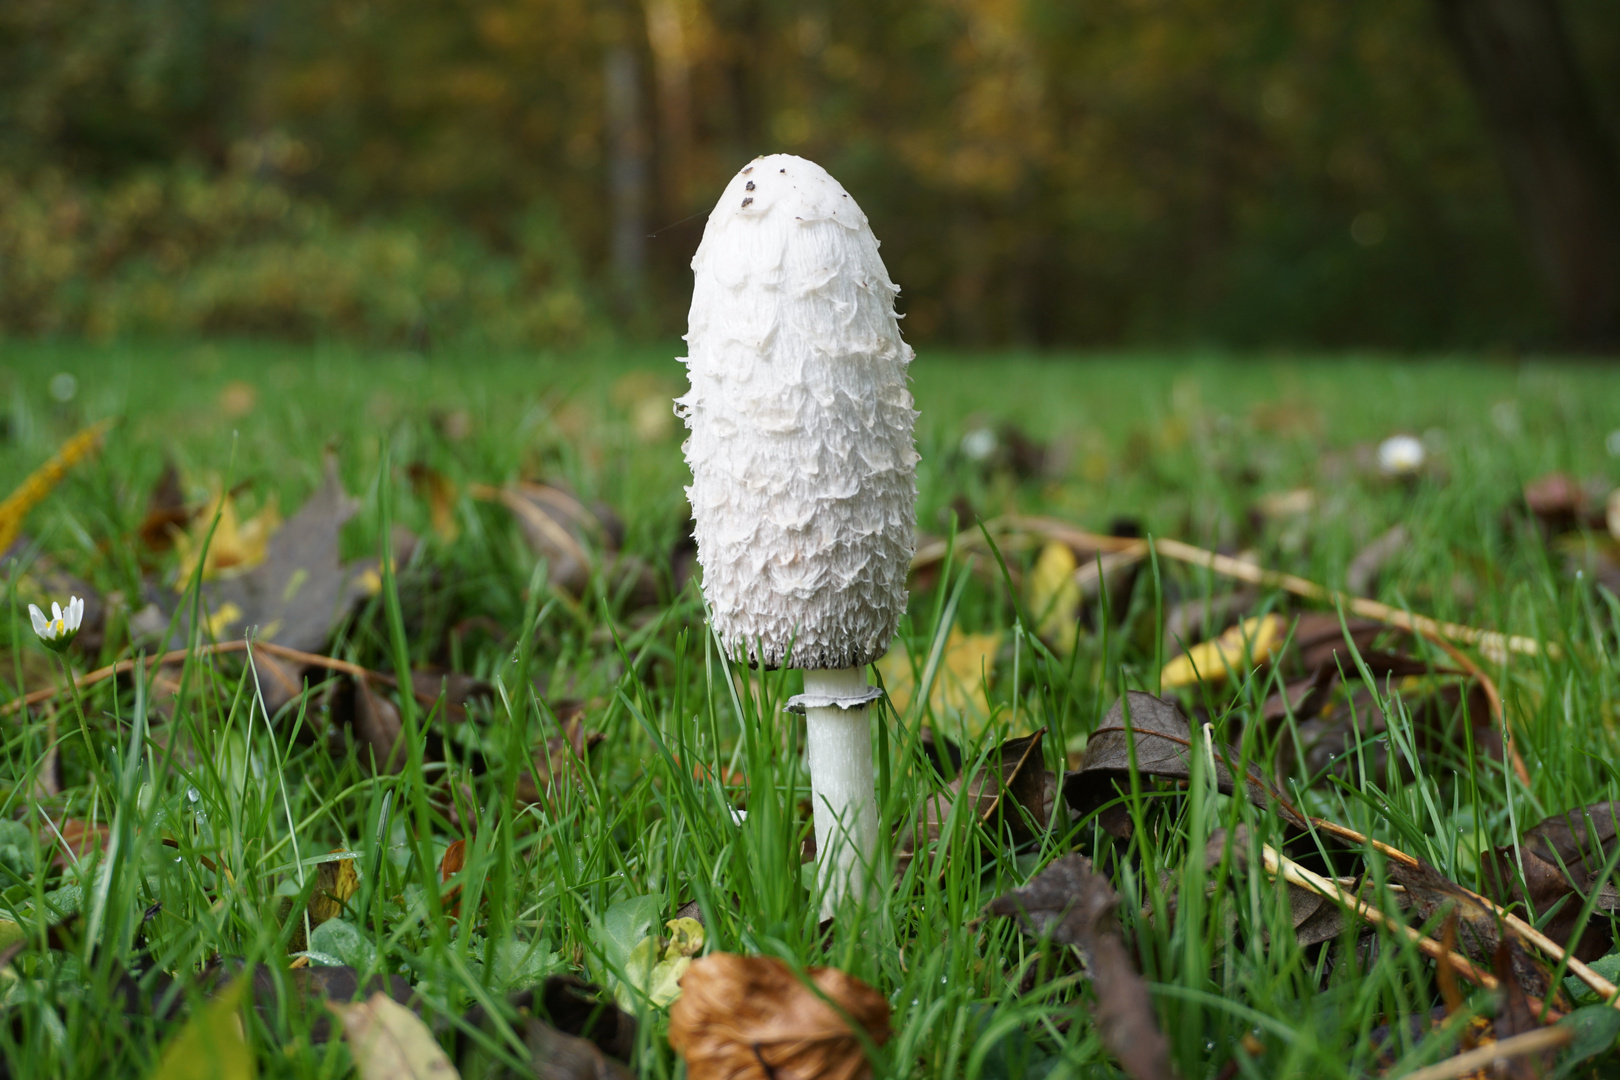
(838, 749)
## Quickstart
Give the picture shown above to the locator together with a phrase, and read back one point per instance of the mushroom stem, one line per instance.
(838, 748)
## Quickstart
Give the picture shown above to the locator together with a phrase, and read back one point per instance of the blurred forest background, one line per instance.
(1393, 173)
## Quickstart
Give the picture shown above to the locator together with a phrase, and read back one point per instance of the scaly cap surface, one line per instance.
(803, 464)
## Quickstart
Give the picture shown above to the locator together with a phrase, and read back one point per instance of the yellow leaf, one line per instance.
(959, 692)
(1256, 638)
(32, 491)
(1054, 597)
(212, 1045)
(237, 545)
(389, 1042)
(335, 884)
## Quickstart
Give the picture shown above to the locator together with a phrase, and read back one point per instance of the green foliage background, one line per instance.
(1042, 171)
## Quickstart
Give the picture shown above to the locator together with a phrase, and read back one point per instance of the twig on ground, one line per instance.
(123, 667)
(1469, 1061)
(1555, 951)
(1487, 640)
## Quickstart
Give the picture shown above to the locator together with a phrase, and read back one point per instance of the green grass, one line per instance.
(1184, 444)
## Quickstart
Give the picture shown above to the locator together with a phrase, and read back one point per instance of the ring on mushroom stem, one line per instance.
(804, 470)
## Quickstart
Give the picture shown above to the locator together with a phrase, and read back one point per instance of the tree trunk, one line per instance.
(1558, 160)
(627, 170)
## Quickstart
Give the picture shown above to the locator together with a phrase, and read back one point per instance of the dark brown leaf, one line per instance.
(557, 757)
(1010, 791)
(751, 1018)
(378, 726)
(1559, 863)
(1160, 738)
(1076, 907)
(298, 594)
(1432, 894)
(166, 511)
(569, 1033)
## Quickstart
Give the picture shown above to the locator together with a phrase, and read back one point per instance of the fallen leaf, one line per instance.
(752, 1018)
(1014, 773)
(212, 1045)
(1160, 741)
(1251, 642)
(389, 1042)
(1431, 894)
(569, 1034)
(558, 755)
(234, 544)
(40, 483)
(559, 528)
(166, 511)
(959, 692)
(296, 595)
(1076, 907)
(378, 725)
(336, 882)
(440, 494)
(454, 860)
(78, 841)
(1054, 597)
(1558, 864)
(1361, 576)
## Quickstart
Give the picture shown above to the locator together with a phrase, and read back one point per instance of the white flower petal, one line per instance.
(38, 617)
(56, 612)
(75, 613)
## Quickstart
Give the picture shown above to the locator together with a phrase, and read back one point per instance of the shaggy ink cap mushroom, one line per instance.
(803, 465)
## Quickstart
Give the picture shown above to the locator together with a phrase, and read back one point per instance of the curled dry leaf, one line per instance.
(1013, 790)
(753, 1018)
(1157, 736)
(1558, 864)
(335, 885)
(1076, 906)
(1251, 642)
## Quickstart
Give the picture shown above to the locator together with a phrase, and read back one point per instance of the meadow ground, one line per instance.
(579, 748)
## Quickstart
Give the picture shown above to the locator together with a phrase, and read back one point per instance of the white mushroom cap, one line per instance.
(803, 464)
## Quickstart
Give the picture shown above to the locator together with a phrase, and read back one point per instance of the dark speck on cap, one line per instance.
(747, 201)
(750, 187)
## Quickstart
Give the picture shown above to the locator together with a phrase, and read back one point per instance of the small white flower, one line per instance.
(60, 629)
(979, 444)
(1400, 455)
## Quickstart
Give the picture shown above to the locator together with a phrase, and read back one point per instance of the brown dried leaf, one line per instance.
(1431, 893)
(1162, 742)
(1076, 906)
(569, 1033)
(1562, 861)
(1012, 787)
(455, 859)
(377, 723)
(79, 839)
(753, 1018)
(560, 752)
(558, 527)
(166, 511)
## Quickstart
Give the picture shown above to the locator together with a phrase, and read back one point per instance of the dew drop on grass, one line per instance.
(193, 794)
